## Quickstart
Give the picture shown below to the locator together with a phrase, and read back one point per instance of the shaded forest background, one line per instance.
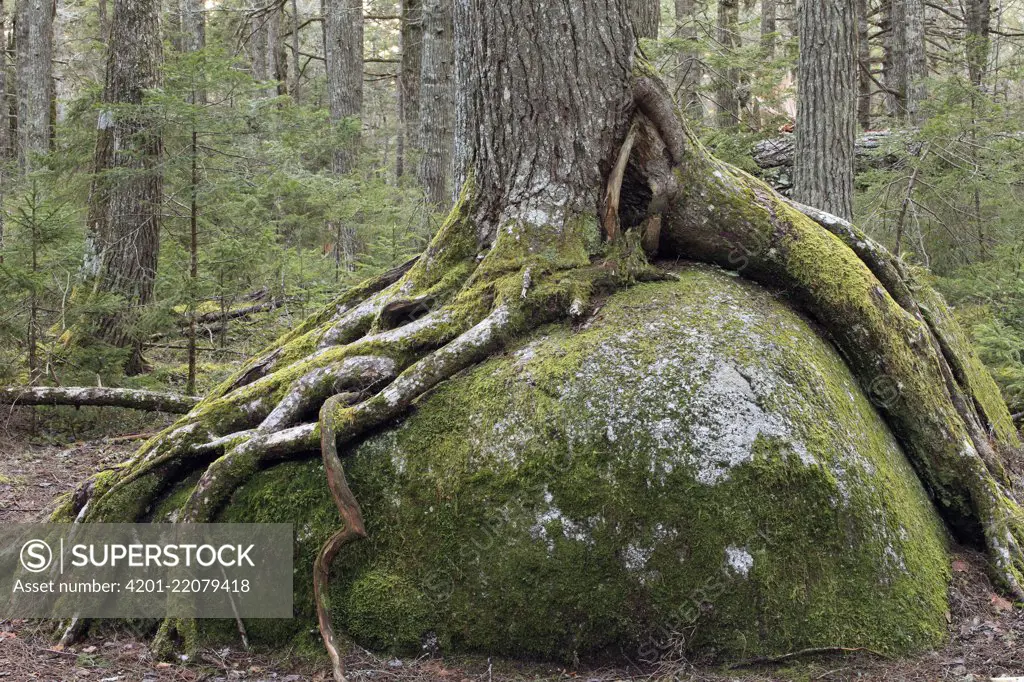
(248, 160)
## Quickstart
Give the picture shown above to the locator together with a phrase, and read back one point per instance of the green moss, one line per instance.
(386, 612)
(171, 503)
(694, 460)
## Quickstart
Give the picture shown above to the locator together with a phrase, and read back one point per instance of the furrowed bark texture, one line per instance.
(917, 58)
(571, 58)
(437, 136)
(826, 123)
(727, 97)
(343, 48)
(407, 85)
(5, 89)
(864, 85)
(126, 196)
(906, 63)
(646, 15)
(690, 70)
(895, 62)
(411, 70)
(978, 14)
(34, 73)
(97, 396)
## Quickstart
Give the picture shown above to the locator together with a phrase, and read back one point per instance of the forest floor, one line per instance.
(986, 631)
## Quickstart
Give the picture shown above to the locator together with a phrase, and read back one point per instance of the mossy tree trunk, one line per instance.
(550, 162)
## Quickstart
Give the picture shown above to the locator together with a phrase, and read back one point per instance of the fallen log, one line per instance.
(98, 396)
(218, 316)
(872, 150)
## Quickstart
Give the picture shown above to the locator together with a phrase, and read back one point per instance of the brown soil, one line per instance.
(986, 631)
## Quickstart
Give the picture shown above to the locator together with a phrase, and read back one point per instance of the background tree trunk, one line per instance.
(540, 170)
(6, 145)
(769, 27)
(864, 63)
(917, 58)
(727, 99)
(826, 124)
(896, 58)
(690, 69)
(978, 14)
(437, 101)
(343, 49)
(906, 62)
(193, 25)
(34, 73)
(296, 70)
(125, 201)
(409, 74)
(265, 48)
(646, 16)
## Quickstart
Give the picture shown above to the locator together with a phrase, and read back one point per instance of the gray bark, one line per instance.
(101, 12)
(646, 16)
(343, 49)
(895, 61)
(193, 25)
(126, 197)
(296, 46)
(690, 69)
(727, 96)
(99, 397)
(529, 170)
(410, 72)
(826, 124)
(34, 74)
(978, 14)
(917, 58)
(769, 26)
(437, 99)
(5, 88)
(172, 23)
(906, 64)
(879, 149)
(864, 85)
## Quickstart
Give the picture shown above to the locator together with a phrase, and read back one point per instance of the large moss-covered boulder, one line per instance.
(693, 467)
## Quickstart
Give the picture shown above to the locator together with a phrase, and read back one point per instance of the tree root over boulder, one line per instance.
(361, 362)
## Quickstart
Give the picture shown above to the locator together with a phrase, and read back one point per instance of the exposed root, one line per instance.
(352, 529)
(340, 423)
